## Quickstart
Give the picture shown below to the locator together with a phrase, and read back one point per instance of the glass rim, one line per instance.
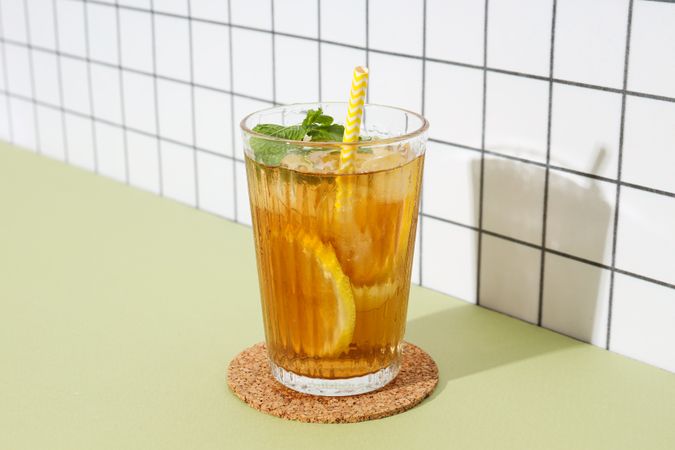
(332, 144)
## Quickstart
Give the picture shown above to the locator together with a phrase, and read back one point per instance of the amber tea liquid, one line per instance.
(334, 280)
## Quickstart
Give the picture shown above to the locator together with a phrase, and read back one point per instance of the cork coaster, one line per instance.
(249, 377)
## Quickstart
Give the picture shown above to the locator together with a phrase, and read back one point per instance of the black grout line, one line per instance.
(192, 104)
(623, 91)
(426, 215)
(318, 45)
(5, 76)
(90, 88)
(232, 119)
(551, 251)
(405, 55)
(31, 69)
(646, 189)
(643, 278)
(121, 82)
(59, 76)
(153, 36)
(356, 47)
(544, 221)
(479, 241)
(423, 108)
(617, 200)
(554, 167)
(122, 127)
(260, 99)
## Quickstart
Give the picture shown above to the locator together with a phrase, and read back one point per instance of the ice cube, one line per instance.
(297, 162)
(382, 158)
(324, 161)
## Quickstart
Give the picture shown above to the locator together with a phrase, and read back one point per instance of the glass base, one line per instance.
(336, 387)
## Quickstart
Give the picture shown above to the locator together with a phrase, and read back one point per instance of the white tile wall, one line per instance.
(580, 218)
(649, 143)
(50, 128)
(139, 104)
(510, 278)
(252, 63)
(576, 299)
(396, 25)
(337, 66)
(291, 83)
(136, 39)
(72, 32)
(344, 22)
(211, 55)
(389, 74)
(556, 174)
(209, 10)
(76, 97)
(590, 41)
(102, 36)
(252, 13)
(19, 72)
(451, 179)
(453, 101)
(14, 20)
(45, 66)
(642, 321)
(646, 234)
(143, 154)
(585, 127)
(110, 151)
(178, 172)
(455, 30)
(105, 84)
(652, 56)
(516, 117)
(297, 17)
(513, 201)
(449, 255)
(80, 139)
(41, 19)
(175, 111)
(23, 123)
(213, 121)
(172, 44)
(215, 184)
(519, 35)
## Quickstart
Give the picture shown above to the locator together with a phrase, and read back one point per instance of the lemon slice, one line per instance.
(338, 324)
(369, 297)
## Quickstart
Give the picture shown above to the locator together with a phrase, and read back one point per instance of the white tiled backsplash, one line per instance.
(549, 191)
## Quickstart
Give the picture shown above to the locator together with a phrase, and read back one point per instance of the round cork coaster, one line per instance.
(249, 377)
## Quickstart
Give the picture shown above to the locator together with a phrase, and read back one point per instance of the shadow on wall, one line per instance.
(578, 223)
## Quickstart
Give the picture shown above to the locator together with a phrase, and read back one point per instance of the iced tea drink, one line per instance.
(334, 253)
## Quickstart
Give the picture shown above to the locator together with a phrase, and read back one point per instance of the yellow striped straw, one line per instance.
(357, 97)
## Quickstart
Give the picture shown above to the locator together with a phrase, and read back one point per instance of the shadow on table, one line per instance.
(466, 339)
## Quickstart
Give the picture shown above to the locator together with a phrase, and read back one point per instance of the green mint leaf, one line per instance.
(270, 129)
(331, 133)
(317, 125)
(311, 117)
(270, 152)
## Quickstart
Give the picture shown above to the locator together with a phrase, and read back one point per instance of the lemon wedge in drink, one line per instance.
(337, 312)
(369, 297)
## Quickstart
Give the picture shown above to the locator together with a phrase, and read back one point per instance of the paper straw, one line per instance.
(357, 97)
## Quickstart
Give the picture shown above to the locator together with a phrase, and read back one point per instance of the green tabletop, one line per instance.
(120, 310)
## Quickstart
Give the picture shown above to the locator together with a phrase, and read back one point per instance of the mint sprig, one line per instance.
(316, 126)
